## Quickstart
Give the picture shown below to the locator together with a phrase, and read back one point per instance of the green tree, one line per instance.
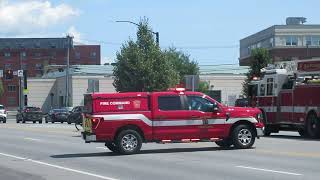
(203, 87)
(181, 63)
(260, 59)
(141, 66)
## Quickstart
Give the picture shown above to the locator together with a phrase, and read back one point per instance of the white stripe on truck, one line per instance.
(182, 122)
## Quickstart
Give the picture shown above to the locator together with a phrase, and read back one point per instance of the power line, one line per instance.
(178, 47)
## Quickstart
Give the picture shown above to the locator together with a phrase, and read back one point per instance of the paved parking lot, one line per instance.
(56, 151)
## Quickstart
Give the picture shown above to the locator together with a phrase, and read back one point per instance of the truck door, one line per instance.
(201, 108)
(171, 120)
(268, 101)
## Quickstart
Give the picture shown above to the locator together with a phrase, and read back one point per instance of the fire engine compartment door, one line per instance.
(286, 105)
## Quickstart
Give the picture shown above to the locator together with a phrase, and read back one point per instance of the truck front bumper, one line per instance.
(260, 132)
(88, 137)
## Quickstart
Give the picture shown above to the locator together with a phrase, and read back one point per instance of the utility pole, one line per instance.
(67, 70)
(20, 84)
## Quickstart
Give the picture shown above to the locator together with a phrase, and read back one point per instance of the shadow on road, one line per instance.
(149, 151)
(299, 138)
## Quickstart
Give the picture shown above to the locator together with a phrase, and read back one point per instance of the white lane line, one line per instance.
(58, 167)
(32, 139)
(101, 148)
(269, 170)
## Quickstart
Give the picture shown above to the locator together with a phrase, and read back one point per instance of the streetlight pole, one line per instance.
(156, 33)
(67, 70)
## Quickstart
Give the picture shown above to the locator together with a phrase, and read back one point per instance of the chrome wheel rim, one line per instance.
(245, 136)
(129, 142)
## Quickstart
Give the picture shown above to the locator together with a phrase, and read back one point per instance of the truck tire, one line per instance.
(4, 120)
(267, 131)
(313, 126)
(112, 147)
(243, 136)
(302, 132)
(128, 142)
(225, 143)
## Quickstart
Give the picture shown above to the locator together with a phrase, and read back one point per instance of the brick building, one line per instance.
(33, 55)
(292, 41)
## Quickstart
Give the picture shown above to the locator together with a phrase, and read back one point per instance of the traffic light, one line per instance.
(9, 74)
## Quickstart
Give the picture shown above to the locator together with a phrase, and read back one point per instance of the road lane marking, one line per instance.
(294, 154)
(269, 170)
(32, 139)
(58, 167)
(101, 148)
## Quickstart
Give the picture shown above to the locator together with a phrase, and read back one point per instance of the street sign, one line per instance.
(15, 73)
(20, 73)
(1, 73)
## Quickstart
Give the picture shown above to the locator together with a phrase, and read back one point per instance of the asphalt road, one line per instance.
(56, 151)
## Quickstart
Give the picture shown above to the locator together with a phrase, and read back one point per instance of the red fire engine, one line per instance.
(124, 120)
(289, 100)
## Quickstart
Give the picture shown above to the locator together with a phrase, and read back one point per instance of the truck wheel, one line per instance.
(225, 143)
(243, 136)
(129, 141)
(4, 120)
(267, 131)
(302, 132)
(34, 122)
(23, 121)
(112, 147)
(313, 126)
(40, 122)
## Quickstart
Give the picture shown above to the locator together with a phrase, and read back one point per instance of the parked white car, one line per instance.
(3, 114)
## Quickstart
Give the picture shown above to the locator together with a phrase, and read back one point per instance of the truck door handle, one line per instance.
(195, 117)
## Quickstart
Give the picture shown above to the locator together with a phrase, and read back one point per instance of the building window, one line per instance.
(37, 44)
(7, 54)
(93, 54)
(291, 40)
(77, 54)
(169, 103)
(39, 67)
(12, 88)
(313, 40)
(8, 66)
(52, 54)
(12, 101)
(53, 45)
(37, 54)
(24, 66)
(23, 54)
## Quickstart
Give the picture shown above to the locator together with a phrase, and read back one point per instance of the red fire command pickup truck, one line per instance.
(123, 121)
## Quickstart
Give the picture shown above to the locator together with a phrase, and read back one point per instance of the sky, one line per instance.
(208, 30)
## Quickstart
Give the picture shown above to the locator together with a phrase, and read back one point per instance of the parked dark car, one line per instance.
(28, 113)
(75, 115)
(242, 102)
(57, 115)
